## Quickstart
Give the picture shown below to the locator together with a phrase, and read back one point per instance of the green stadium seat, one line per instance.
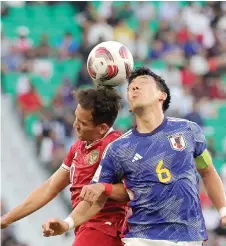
(133, 23)
(158, 65)
(9, 28)
(123, 123)
(45, 88)
(224, 79)
(154, 26)
(63, 9)
(218, 164)
(70, 68)
(9, 83)
(138, 64)
(29, 122)
(18, 14)
(96, 4)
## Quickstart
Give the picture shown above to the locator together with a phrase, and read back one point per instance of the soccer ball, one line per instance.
(110, 63)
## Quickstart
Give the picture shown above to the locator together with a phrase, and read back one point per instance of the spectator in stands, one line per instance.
(69, 130)
(169, 11)
(216, 88)
(198, 63)
(43, 68)
(23, 43)
(172, 51)
(99, 30)
(67, 46)
(141, 44)
(191, 46)
(124, 34)
(13, 59)
(124, 11)
(7, 236)
(195, 116)
(23, 82)
(157, 49)
(63, 98)
(29, 102)
(58, 151)
(44, 50)
(144, 11)
(207, 109)
(83, 78)
(167, 31)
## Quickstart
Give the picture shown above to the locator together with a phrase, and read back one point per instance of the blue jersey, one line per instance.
(159, 173)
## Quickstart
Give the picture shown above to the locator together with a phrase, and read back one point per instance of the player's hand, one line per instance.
(4, 223)
(223, 221)
(54, 227)
(91, 193)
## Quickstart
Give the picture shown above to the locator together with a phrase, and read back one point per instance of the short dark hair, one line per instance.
(104, 102)
(160, 82)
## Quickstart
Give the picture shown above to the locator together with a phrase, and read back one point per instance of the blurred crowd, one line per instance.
(8, 236)
(185, 43)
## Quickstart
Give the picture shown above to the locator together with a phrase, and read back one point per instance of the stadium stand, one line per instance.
(44, 50)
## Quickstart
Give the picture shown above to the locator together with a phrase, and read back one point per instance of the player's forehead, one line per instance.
(85, 114)
(142, 78)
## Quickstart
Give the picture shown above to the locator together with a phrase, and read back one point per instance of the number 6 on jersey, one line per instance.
(164, 174)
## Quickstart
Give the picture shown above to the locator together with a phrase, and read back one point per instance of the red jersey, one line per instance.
(82, 162)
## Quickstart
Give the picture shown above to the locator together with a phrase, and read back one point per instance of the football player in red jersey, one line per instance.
(94, 116)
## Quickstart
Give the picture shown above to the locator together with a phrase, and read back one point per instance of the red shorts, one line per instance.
(90, 237)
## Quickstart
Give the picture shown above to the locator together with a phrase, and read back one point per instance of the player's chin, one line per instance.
(137, 106)
(79, 135)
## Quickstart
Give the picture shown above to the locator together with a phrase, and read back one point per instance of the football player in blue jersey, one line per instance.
(159, 161)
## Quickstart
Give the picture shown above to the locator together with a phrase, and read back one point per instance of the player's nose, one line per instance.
(136, 87)
(76, 124)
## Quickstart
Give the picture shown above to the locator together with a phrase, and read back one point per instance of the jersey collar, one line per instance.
(156, 130)
(88, 146)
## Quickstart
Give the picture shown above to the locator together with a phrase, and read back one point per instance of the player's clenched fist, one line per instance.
(91, 193)
(54, 227)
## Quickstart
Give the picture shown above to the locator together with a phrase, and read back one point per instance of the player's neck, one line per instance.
(147, 120)
(98, 137)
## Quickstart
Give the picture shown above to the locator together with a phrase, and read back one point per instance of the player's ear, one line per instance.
(163, 96)
(103, 128)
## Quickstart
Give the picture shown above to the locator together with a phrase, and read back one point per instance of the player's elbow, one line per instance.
(123, 198)
(119, 193)
(207, 173)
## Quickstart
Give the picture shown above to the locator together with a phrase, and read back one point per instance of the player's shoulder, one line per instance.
(182, 123)
(111, 136)
(121, 140)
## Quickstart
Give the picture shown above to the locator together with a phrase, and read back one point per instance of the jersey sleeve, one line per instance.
(109, 171)
(66, 165)
(199, 139)
(201, 154)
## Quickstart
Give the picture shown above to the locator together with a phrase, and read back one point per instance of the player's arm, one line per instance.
(211, 180)
(83, 212)
(107, 172)
(106, 180)
(92, 195)
(208, 173)
(38, 198)
(116, 192)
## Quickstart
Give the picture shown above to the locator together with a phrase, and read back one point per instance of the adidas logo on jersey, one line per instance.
(137, 157)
